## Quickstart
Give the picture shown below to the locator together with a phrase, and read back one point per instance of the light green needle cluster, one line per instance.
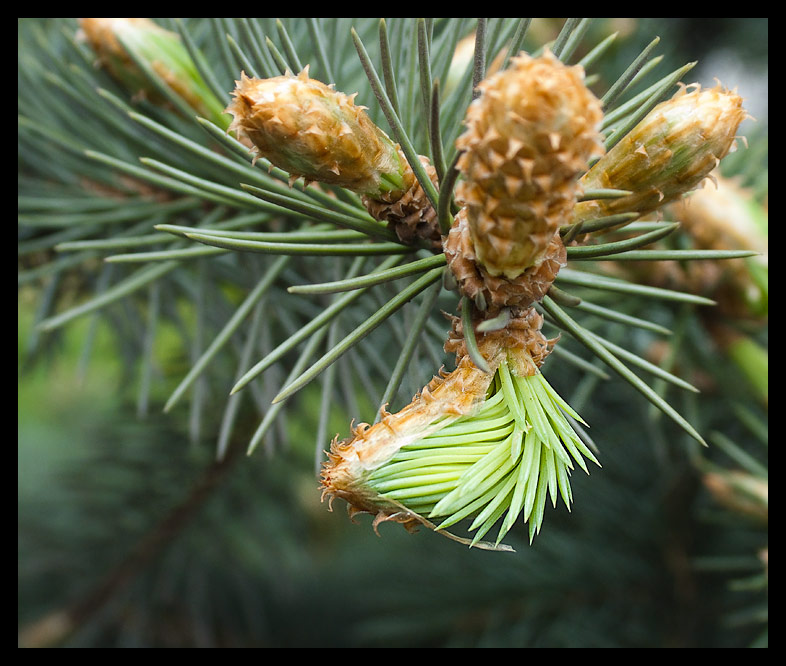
(506, 459)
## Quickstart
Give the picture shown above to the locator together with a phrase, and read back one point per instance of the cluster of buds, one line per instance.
(312, 131)
(489, 443)
(479, 441)
(122, 43)
(492, 442)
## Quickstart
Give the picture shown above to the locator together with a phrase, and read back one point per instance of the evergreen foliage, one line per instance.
(227, 319)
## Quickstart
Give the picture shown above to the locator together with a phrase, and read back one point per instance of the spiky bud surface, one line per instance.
(162, 50)
(673, 149)
(312, 131)
(491, 293)
(529, 136)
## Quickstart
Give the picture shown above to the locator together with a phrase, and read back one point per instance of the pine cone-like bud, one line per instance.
(312, 131)
(673, 149)
(492, 293)
(529, 137)
(162, 50)
(308, 129)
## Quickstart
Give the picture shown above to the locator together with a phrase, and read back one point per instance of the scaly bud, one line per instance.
(740, 492)
(311, 131)
(472, 444)
(673, 149)
(115, 39)
(491, 293)
(530, 135)
(723, 216)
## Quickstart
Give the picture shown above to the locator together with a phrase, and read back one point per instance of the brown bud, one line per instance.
(308, 129)
(675, 147)
(115, 40)
(520, 341)
(529, 137)
(489, 292)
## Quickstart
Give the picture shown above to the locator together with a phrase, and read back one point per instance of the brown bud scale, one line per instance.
(492, 293)
(529, 137)
(521, 336)
(411, 214)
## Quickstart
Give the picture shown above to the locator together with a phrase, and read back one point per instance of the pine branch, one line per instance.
(131, 169)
